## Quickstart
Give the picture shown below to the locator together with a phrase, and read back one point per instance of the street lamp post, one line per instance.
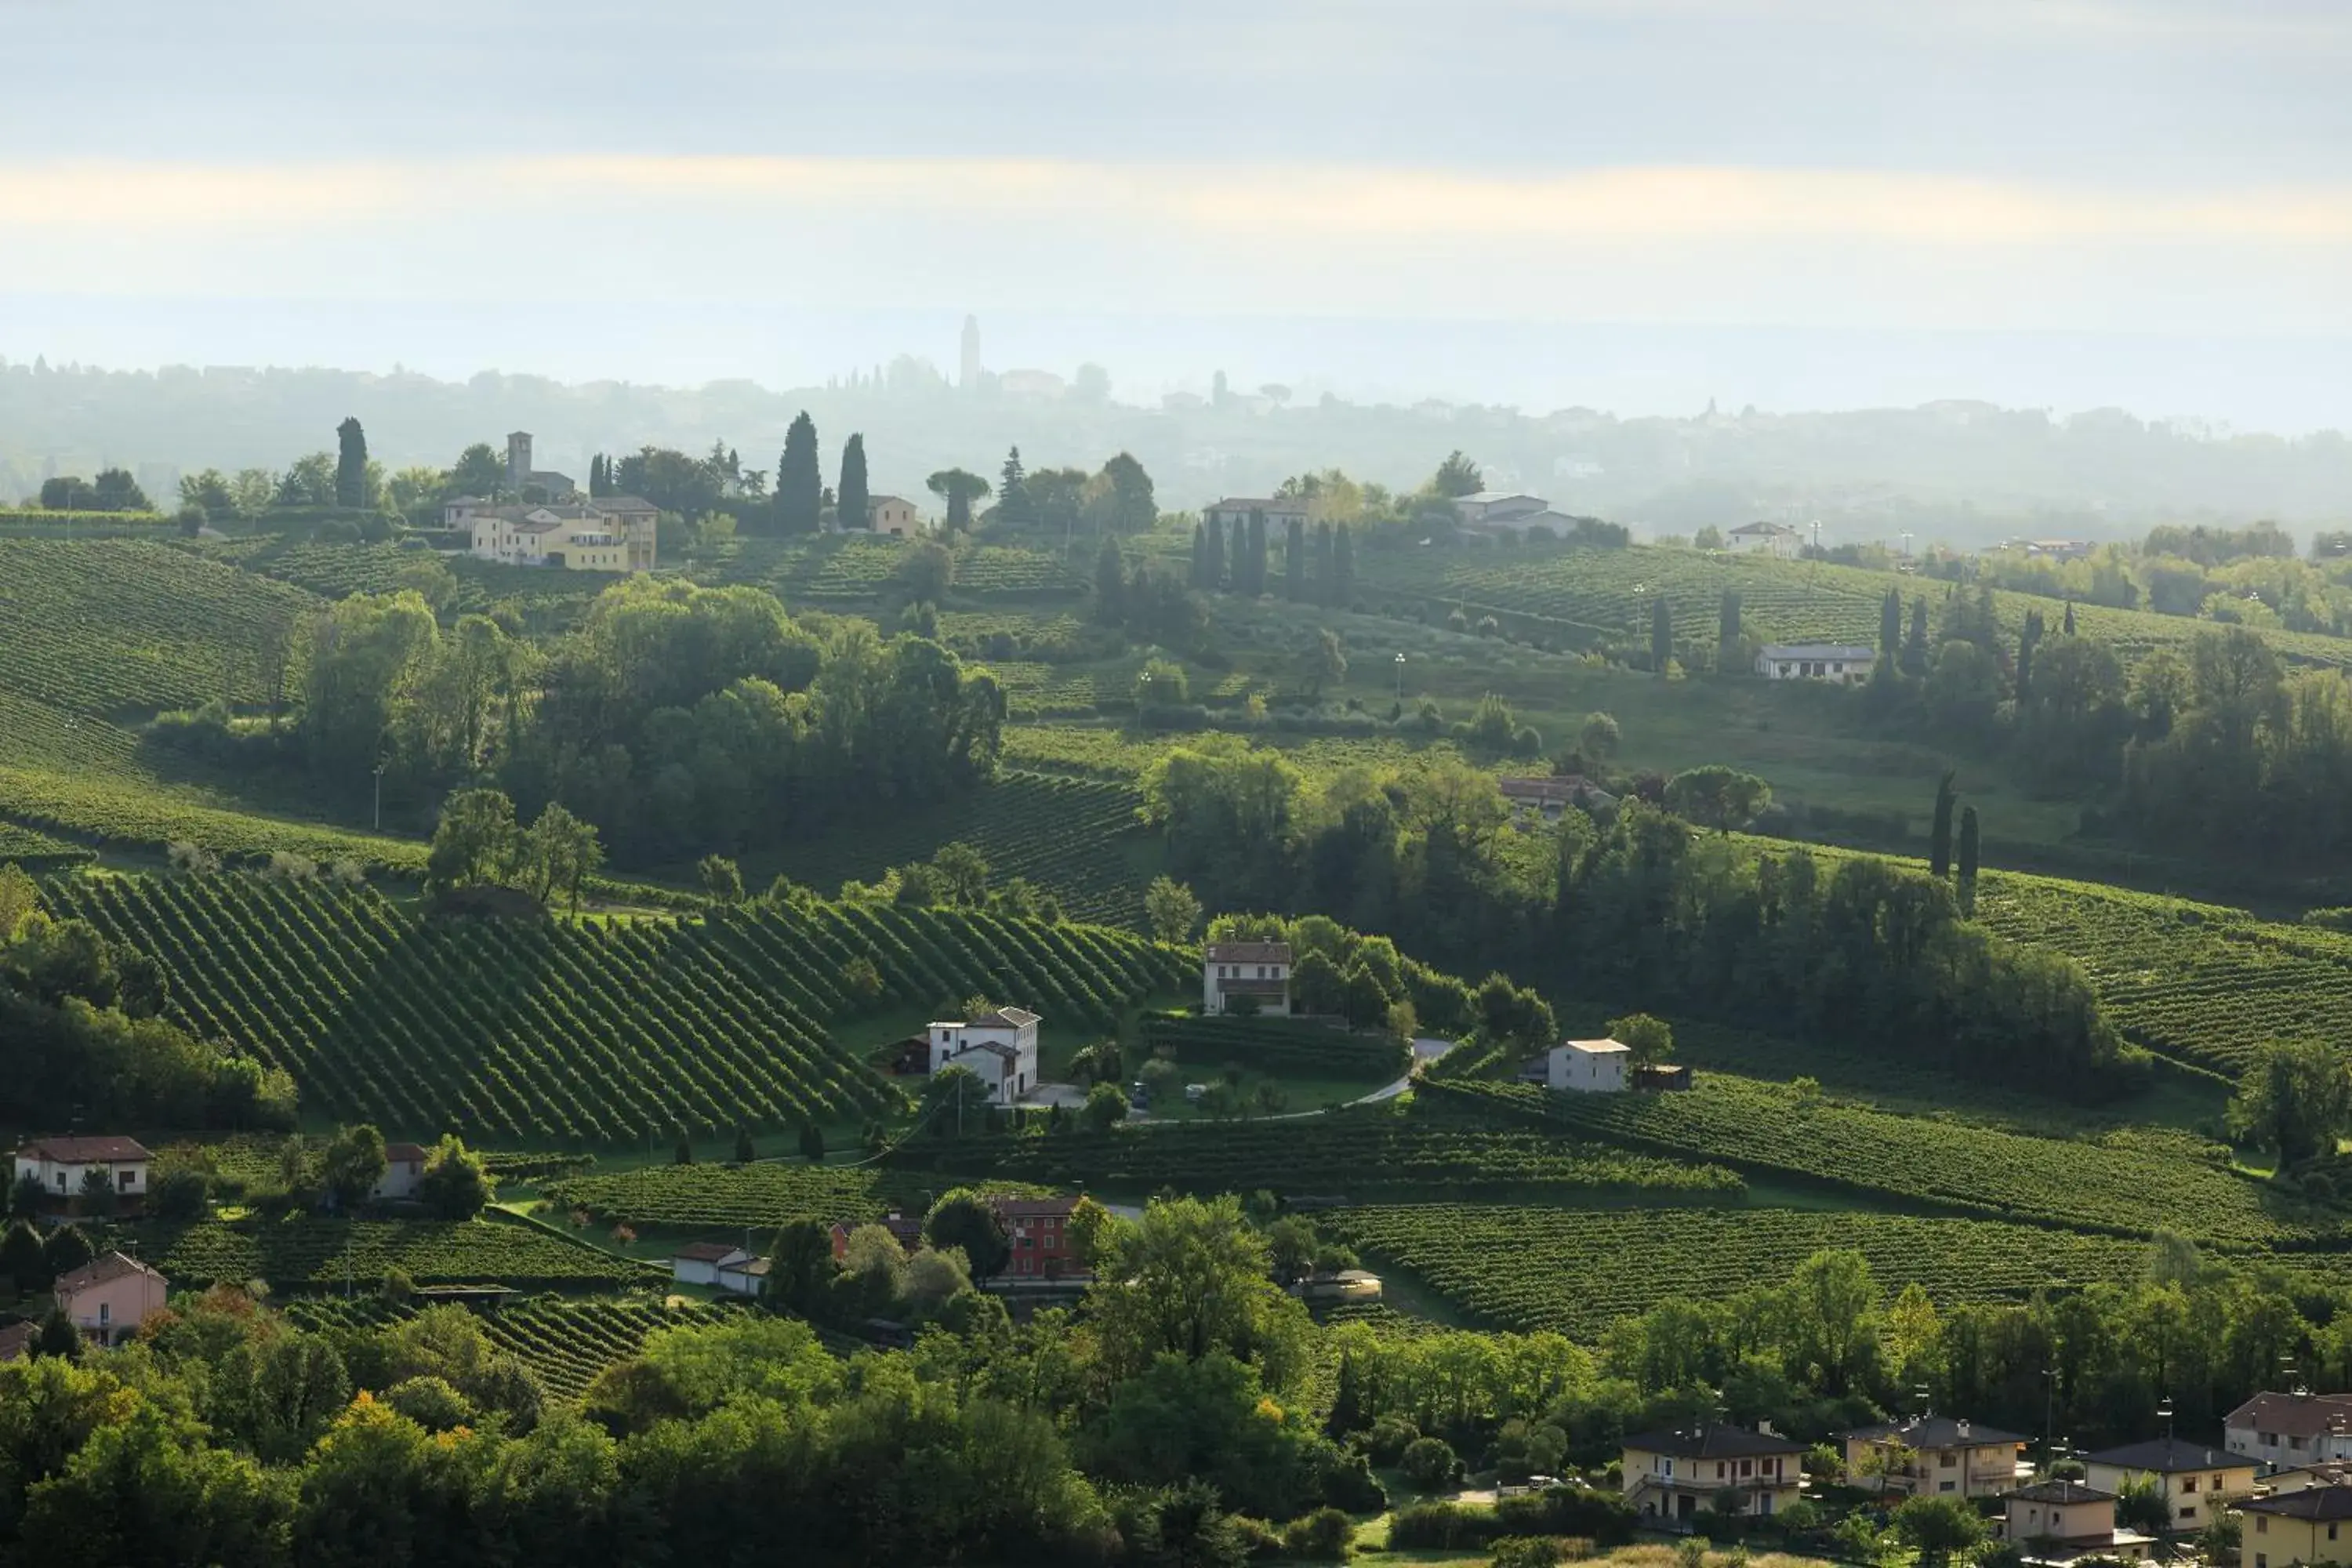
(379, 798)
(1400, 684)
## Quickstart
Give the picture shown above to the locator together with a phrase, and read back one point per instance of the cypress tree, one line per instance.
(2028, 638)
(1323, 586)
(1915, 648)
(800, 478)
(1939, 834)
(1343, 569)
(1199, 554)
(1294, 563)
(351, 464)
(1890, 624)
(1726, 631)
(1348, 1400)
(1662, 634)
(850, 500)
(2069, 628)
(1212, 563)
(1012, 507)
(1968, 847)
(1256, 552)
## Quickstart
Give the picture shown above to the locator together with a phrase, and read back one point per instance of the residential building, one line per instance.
(1671, 1476)
(1234, 511)
(1508, 509)
(1929, 1456)
(1588, 1066)
(1259, 969)
(1545, 798)
(1774, 539)
(907, 1231)
(2193, 1478)
(743, 1275)
(999, 1048)
(108, 1297)
(2286, 1430)
(894, 516)
(404, 1172)
(698, 1262)
(2325, 1473)
(523, 479)
(1038, 1231)
(1848, 664)
(611, 533)
(2058, 1522)
(63, 1166)
(2312, 1527)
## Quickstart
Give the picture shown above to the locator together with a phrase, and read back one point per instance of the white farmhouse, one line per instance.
(1774, 539)
(1234, 511)
(1259, 969)
(611, 533)
(1848, 663)
(1588, 1066)
(998, 1047)
(61, 1165)
(699, 1262)
(404, 1172)
(894, 516)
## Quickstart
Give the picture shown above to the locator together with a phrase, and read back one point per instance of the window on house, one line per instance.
(105, 1313)
(1944, 1487)
(1943, 1461)
(2190, 1485)
(2188, 1511)
(1746, 1467)
(1718, 1469)
(2261, 1524)
(2331, 1532)
(2262, 1560)
(2294, 1442)
(129, 1179)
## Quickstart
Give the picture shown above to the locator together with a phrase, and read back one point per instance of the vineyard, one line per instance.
(2205, 984)
(102, 626)
(765, 1195)
(1592, 597)
(2128, 1183)
(563, 1342)
(851, 569)
(1276, 1045)
(1342, 1153)
(317, 1254)
(595, 1033)
(128, 811)
(1577, 1271)
(1074, 837)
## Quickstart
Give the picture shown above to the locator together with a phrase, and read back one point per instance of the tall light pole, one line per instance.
(1400, 684)
(379, 798)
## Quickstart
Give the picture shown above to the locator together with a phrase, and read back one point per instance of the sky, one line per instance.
(1627, 203)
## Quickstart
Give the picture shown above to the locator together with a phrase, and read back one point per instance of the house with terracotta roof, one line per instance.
(906, 1231)
(1038, 1232)
(2287, 1430)
(62, 1165)
(2195, 1479)
(108, 1297)
(403, 1173)
(2059, 1522)
(1258, 970)
(1671, 1476)
(2313, 1527)
(698, 1262)
(1933, 1456)
(999, 1048)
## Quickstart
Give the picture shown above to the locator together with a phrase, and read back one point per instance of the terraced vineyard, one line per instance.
(2197, 981)
(104, 627)
(1344, 1153)
(763, 1194)
(314, 1253)
(1075, 838)
(1577, 1271)
(565, 1344)
(595, 1033)
(2133, 1182)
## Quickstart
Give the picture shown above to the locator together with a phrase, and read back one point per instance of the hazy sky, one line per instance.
(2139, 200)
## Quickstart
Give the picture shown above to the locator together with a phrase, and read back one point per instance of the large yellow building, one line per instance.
(1932, 1455)
(2192, 1477)
(2313, 1527)
(1670, 1477)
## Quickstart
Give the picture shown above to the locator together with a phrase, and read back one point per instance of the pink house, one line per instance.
(108, 1297)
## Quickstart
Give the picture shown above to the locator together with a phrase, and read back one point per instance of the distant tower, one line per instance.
(518, 460)
(970, 382)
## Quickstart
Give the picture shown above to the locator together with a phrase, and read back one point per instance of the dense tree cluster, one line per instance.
(674, 718)
(1638, 907)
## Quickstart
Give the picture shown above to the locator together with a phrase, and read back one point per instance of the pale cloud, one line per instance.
(1631, 204)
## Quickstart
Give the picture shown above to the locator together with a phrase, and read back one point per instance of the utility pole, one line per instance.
(1400, 684)
(379, 798)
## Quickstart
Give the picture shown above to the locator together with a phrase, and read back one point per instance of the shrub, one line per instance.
(1429, 1462)
(1390, 1435)
(1441, 1526)
(1525, 1551)
(1324, 1536)
(180, 1191)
